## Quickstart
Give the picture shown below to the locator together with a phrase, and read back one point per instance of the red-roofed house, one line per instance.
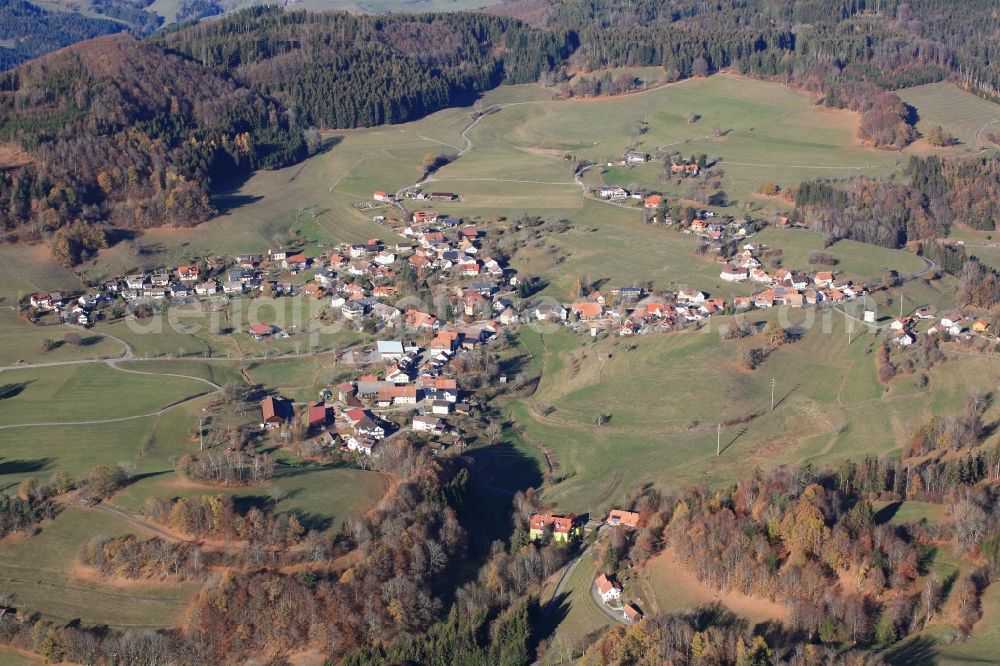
(587, 310)
(317, 414)
(632, 614)
(609, 589)
(564, 528)
(188, 273)
(295, 262)
(261, 331)
(272, 412)
(619, 517)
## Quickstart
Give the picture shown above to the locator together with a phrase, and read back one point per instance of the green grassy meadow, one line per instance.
(39, 570)
(89, 392)
(666, 394)
(965, 116)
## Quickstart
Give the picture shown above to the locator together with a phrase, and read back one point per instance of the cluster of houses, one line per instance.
(904, 330)
(82, 310)
(785, 287)
(568, 527)
(404, 386)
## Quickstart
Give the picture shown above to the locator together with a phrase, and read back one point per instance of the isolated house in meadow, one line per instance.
(261, 331)
(564, 528)
(610, 590)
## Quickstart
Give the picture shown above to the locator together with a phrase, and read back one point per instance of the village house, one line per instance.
(612, 192)
(317, 414)
(189, 273)
(619, 517)
(653, 201)
(425, 217)
(379, 195)
(46, 300)
(550, 312)
(564, 528)
(276, 254)
(609, 590)
(587, 310)
(295, 262)
(734, 274)
(823, 279)
(135, 281)
(632, 614)
(421, 320)
(261, 331)
(691, 296)
(428, 424)
(685, 169)
(396, 395)
(207, 288)
(390, 350)
(635, 157)
(274, 412)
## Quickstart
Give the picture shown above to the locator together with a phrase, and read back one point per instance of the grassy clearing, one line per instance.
(87, 393)
(324, 497)
(965, 116)
(666, 585)
(38, 570)
(859, 261)
(23, 341)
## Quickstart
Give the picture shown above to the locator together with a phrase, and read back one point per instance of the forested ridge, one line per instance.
(127, 147)
(32, 31)
(126, 134)
(344, 70)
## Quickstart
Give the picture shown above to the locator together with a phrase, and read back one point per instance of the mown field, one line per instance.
(965, 116)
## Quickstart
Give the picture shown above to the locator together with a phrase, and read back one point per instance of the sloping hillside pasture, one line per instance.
(666, 395)
(859, 261)
(39, 570)
(24, 341)
(88, 392)
(965, 116)
(324, 497)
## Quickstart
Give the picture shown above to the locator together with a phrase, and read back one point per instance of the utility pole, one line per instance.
(201, 433)
(850, 330)
(718, 440)
(900, 306)
(773, 382)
